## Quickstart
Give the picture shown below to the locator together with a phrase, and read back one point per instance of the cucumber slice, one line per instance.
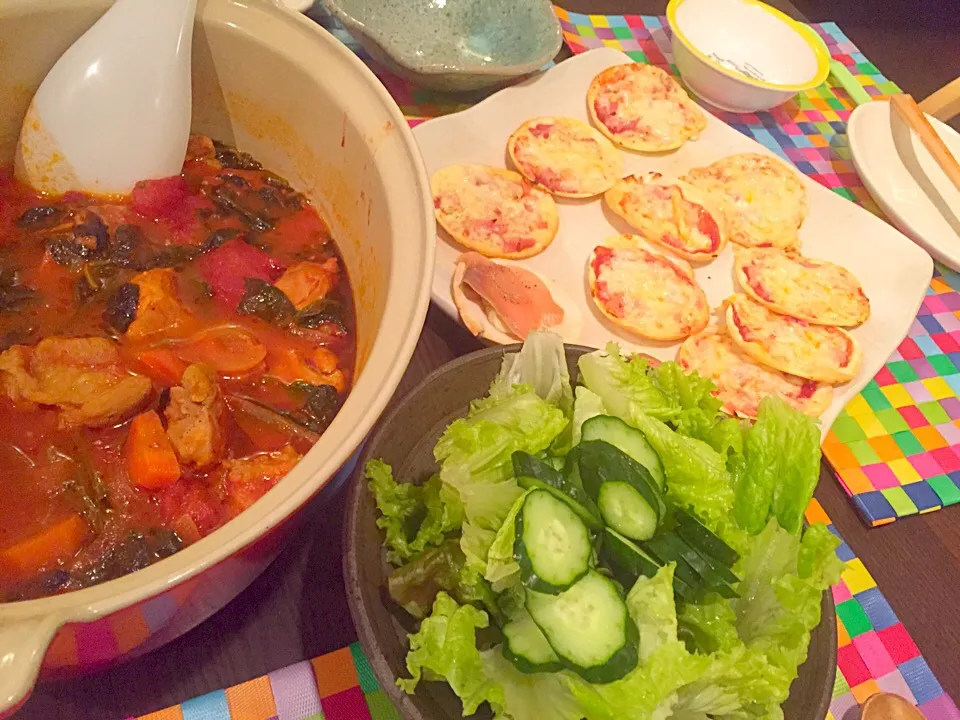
(667, 548)
(571, 468)
(585, 508)
(628, 439)
(554, 461)
(694, 569)
(589, 628)
(600, 462)
(629, 561)
(525, 646)
(527, 465)
(552, 545)
(626, 510)
(711, 579)
(532, 472)
(625, 558)
(700, 538)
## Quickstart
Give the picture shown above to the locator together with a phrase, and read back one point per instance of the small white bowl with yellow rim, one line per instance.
(743, 55)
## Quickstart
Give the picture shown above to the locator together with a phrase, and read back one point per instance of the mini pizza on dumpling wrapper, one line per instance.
(503, 302)
(762, 198)
(815, 352)
(641, 107)
(566, 157)
(646, 291)
(741, 382)
(671, 213)
(788, 283)
(494, 211)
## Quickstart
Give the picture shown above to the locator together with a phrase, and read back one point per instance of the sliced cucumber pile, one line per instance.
(552, 545)
(589, 628)
(628, 497)
(612, 484)
(629, 440)
(532, 472)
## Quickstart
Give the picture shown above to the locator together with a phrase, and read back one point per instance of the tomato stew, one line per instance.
(165, 359)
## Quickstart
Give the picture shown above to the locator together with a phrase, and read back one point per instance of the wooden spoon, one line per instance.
(911, 113)
(887, 706)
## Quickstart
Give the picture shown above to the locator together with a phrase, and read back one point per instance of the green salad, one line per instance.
(616, 550)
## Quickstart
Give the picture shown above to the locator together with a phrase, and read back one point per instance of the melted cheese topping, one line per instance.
(813, 290)
(763, 199)
(646, 292)
(742, 383)
(493, 211)
(642, 107)
(814, 352)
(671, 214)
(566, 157)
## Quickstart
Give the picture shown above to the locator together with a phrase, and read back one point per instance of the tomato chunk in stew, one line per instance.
(165, 359)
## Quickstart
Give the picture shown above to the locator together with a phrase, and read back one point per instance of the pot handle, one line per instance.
(23, 643)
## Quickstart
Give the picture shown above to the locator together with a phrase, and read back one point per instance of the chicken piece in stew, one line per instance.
(165, 359)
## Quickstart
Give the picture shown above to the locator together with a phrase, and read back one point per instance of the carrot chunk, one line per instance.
(161, 364)
(55, 544)
(151, 460)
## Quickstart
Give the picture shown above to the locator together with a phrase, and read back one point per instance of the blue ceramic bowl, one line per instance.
(453, 45)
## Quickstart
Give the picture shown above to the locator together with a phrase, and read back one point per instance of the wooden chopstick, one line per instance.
(911, 113)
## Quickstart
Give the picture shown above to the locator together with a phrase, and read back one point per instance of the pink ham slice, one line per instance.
(518, 297)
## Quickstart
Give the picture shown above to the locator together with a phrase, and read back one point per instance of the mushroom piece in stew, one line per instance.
(165, 359)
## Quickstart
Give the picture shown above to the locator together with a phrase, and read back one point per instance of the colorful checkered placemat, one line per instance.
(896, 446)
(876, 653)
(336, 686)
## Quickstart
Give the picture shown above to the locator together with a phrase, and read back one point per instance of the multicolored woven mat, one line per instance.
(336, 686)
(876, 653)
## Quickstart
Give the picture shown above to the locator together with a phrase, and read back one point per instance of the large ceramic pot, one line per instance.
(278, 86)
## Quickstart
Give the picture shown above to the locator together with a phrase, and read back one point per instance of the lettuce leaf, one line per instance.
(402, 504)
(538, 695)
(586, 404)
(649, 692)
(735, 684)
(697, 477)
(709, 626)
(782, 467)
(624, 385)
(784, 578)
(445, 648)
(414, 586)
(652, 607)
(541, 364)
(474, 454)
(502, 570)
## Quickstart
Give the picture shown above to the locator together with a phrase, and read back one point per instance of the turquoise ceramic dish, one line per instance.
(453, 45)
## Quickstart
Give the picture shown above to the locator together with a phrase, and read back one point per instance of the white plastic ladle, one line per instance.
(116, 107)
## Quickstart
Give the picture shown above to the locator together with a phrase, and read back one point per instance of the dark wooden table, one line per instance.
(297, 608)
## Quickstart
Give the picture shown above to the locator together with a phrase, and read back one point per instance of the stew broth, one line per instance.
(165, 359)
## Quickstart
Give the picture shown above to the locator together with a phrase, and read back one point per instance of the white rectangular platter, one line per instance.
(894, 272)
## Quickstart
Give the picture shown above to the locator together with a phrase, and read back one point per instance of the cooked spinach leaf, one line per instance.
(13, 295)
(121, 308)
(322, 312)
(264, 301)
